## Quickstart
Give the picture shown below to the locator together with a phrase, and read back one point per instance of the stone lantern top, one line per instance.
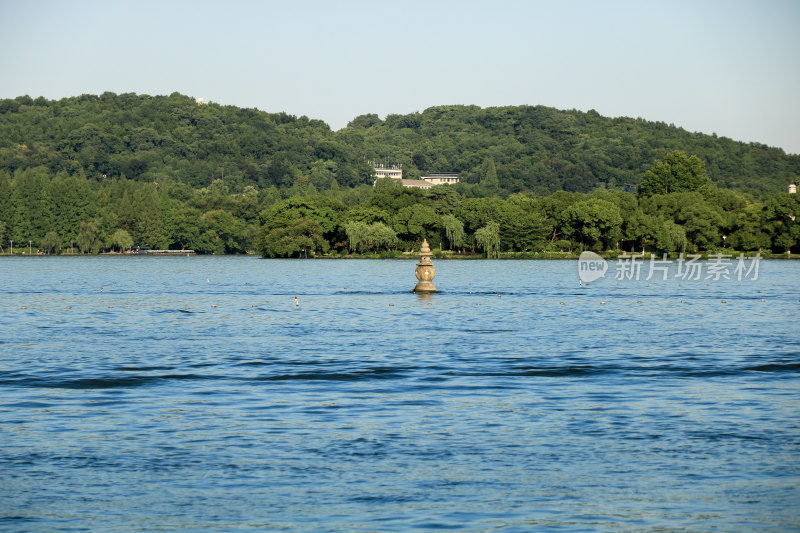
(425, 253)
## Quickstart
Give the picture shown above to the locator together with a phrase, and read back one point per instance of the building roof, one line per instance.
(416, 183)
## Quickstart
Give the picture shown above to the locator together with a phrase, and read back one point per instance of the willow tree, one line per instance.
(357, 234)
(88, 239)
(381, 236)
(122, 240)
(488, 239)
(454, 231)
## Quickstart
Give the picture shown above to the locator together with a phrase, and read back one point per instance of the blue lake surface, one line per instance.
(190, 393)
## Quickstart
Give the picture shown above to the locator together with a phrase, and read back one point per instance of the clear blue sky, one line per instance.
(727, 67)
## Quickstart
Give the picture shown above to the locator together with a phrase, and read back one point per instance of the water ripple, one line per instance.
(513, 400)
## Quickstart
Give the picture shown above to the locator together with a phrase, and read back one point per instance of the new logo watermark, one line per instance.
(592, 267)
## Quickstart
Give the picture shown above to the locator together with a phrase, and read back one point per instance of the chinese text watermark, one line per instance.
(689, 267)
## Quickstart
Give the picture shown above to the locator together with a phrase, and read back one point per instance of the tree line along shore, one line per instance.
(106, 173)
(677, 209)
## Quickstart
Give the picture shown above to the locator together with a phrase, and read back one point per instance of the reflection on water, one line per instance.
(192, 393)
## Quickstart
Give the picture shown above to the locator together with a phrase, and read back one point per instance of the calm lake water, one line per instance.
(190, 393)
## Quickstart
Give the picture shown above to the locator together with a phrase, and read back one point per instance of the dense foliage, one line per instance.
(146, 138)
(542, 150)
(72, 211)
(510, 149)
(112, 171)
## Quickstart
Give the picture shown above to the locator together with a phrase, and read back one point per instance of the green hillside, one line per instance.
(146, 138)
(532, 148)
(541, 149)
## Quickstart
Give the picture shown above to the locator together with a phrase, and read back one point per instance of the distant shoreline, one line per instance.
(534, 256)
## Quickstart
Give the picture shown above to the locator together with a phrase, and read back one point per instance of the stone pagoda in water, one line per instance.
(425, 271)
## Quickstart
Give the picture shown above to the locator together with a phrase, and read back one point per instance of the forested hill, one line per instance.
(541, 149)
(157, 138)
(527, 148)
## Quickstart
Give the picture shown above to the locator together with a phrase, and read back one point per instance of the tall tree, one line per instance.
(126, 215)
(74, 202)
(227, 229)
(489, 179)
(782, 221)
(33, 205)
(675, 173)
(417, 222)
(150, 229)
(6, 206)
(522, 230)
(51, 243)
(293, 238)
(595, 223)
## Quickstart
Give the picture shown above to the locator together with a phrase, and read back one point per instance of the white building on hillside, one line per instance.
(441, 178)
(388, 171)
(425, 182)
